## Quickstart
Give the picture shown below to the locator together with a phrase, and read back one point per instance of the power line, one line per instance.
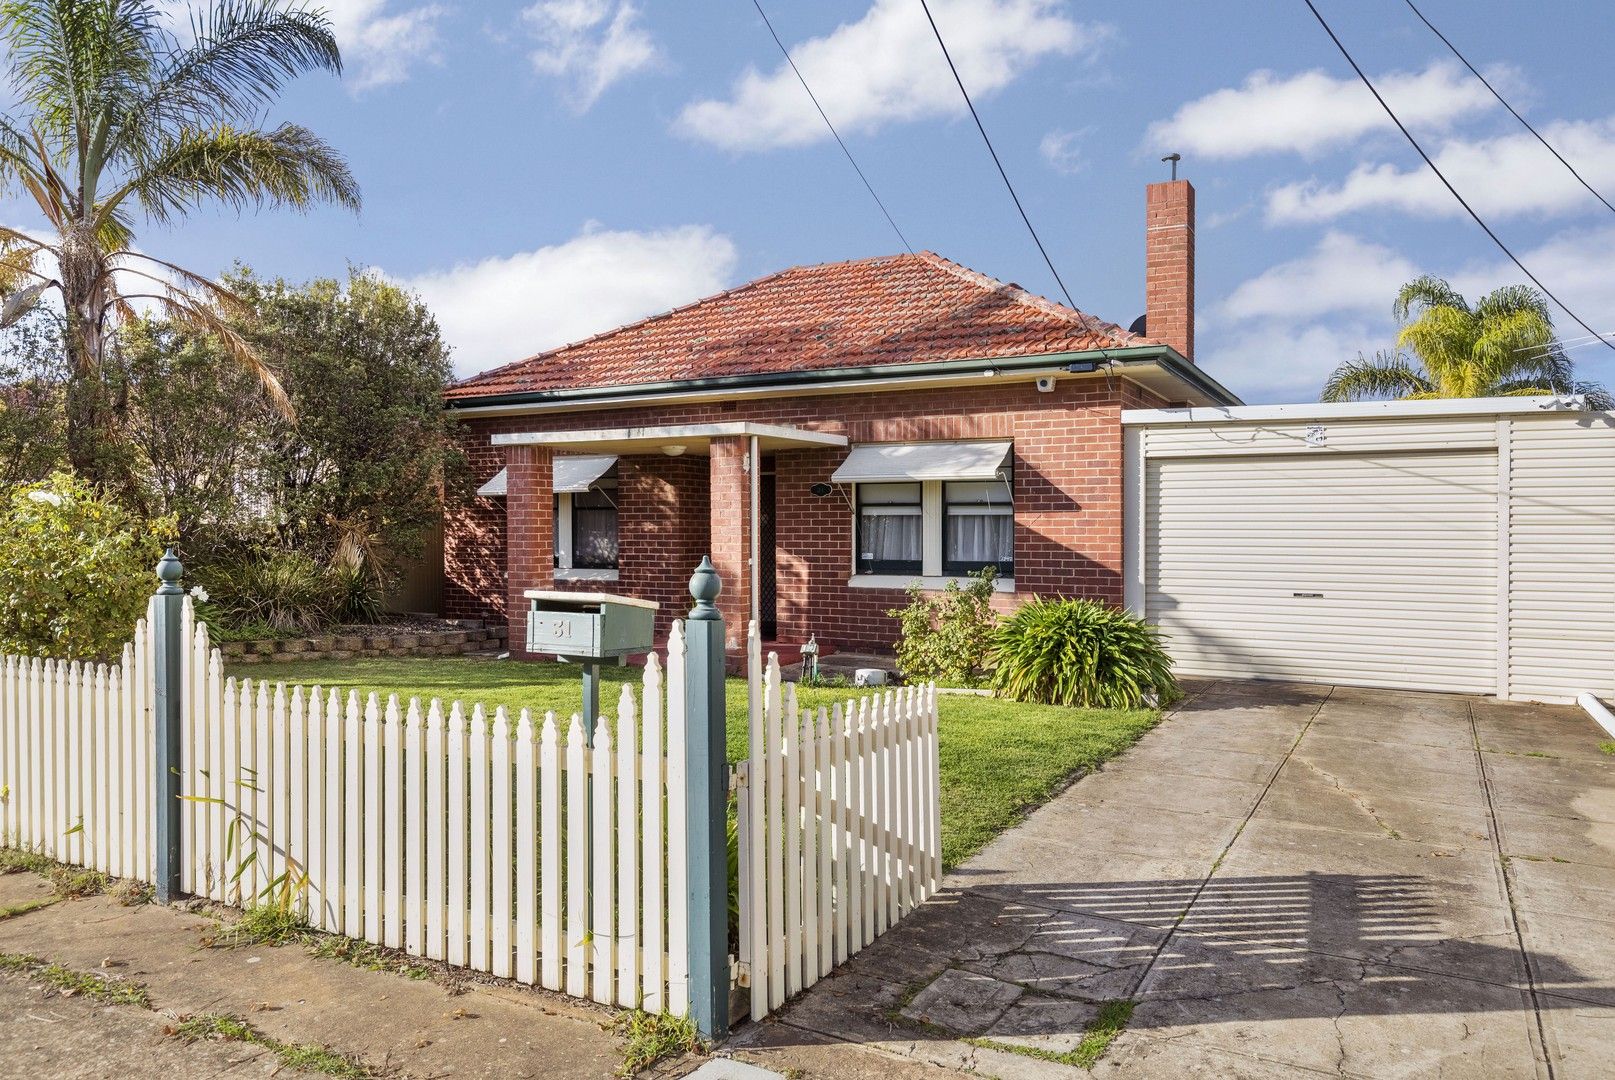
(1443, 177)
(822, 115)
(979, 127)
(1510, 108)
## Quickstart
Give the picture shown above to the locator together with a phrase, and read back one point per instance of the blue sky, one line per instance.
(543, 171)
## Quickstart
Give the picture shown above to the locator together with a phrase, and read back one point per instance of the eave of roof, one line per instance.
(1201, 387)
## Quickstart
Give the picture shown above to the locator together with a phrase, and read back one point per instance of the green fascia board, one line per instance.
(1163, 355)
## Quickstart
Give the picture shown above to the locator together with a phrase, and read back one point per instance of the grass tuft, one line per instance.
(1607, 747)
(74, 882)
(365, 956)
(653, 1038)
(306, 1056)
(25, 906)
(70, 983)
(1109, 1022)
(17, 861)
(261, 924)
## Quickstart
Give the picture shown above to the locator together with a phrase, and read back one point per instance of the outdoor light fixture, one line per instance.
(676, 450)
(820, 490)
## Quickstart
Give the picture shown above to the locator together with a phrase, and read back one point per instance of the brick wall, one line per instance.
(1068, 500)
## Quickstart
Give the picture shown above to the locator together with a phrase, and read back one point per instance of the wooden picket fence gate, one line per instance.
(840, 827)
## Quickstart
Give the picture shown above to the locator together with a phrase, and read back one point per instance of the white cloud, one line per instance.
(886, 67)
(504, 308)
(1342, 273)
(1506, 176)
(1278, 335)
(590, 43)
(1277, 360)
(1063, 151)
(1313, 111)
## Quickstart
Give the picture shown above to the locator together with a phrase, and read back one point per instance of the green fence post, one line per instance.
(707, 786)
(165, 636)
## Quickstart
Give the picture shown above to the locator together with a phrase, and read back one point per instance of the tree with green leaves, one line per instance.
(1502, 346)
(119, 118)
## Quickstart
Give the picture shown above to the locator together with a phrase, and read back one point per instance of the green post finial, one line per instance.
(705, 586)
(170, 571)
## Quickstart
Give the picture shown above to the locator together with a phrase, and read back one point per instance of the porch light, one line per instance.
(675, 450)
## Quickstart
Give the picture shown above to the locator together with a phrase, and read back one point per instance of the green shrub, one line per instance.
(947, 638)
(355, 593)
(1080, 652)
(284, 590)
(75, 570)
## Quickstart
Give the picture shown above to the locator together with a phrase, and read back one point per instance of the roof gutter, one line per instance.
(889, 376)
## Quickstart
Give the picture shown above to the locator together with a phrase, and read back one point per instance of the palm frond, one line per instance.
(1386, 375)
(1426, 291)
(187, 311)
(243, 53)
(288, 166)
(1512, 300)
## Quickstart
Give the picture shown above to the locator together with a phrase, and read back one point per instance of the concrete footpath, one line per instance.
(395, 1025)
(1286, 881)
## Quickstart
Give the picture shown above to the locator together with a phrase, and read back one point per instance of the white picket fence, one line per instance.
(504, 844)
(840, 827)
(76, 752)
(510, 845)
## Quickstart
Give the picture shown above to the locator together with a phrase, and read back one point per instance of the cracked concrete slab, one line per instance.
(1291, 881)
(962, 1002)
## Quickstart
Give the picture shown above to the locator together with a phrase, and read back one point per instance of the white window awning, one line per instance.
(572, 475)
(884, 462)
(575, 474)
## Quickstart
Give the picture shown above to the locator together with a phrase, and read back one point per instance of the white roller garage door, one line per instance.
(1370, 571)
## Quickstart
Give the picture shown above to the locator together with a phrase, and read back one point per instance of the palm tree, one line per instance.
(1504, 346)
(119, 117)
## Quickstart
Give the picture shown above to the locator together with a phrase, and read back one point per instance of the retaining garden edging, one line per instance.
(471, 637)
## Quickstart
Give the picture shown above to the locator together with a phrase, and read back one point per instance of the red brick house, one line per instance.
(828, 434)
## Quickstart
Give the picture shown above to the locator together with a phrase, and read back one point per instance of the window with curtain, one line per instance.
(978, 527)
(594, 530)
(890, 523)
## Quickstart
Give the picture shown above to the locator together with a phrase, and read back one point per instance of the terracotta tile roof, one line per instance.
(898, 309)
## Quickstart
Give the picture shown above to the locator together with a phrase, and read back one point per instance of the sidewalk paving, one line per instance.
(1287, 881)
(396, 1025)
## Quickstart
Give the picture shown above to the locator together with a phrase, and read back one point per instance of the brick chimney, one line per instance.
(1169, 264)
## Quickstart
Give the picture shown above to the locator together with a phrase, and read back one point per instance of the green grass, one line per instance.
(1607, 747)
(305, 1056)
(997, 758)
(651, 1038)
(1109, 1022)
(80, 983)
(272, 925)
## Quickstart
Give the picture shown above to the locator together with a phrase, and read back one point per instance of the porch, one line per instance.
(611, 509)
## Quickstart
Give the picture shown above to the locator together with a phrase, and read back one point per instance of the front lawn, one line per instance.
(997, 758)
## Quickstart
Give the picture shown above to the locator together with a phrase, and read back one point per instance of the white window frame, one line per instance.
(564, 570)
(931, 526)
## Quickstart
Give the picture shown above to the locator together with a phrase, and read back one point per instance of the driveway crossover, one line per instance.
(1289, 880)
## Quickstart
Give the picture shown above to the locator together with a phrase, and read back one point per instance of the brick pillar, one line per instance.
(731, 533)
(1169, 264)
(529, 533)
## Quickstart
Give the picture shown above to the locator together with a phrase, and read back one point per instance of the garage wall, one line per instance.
(1544, 490)
(1561, 556)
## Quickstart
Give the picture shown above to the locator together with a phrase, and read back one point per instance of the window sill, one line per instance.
(578, 574)
(930, 584)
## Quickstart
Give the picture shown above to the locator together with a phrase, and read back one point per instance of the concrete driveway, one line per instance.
(1288, 880)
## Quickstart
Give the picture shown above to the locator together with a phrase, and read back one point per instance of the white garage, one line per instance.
(1461, 546)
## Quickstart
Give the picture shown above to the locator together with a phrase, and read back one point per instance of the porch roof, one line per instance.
(672, 440)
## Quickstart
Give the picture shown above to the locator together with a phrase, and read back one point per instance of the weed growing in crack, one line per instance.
(1109, 1022)
(70, 983)
(304, 1056)
(653, 1038)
